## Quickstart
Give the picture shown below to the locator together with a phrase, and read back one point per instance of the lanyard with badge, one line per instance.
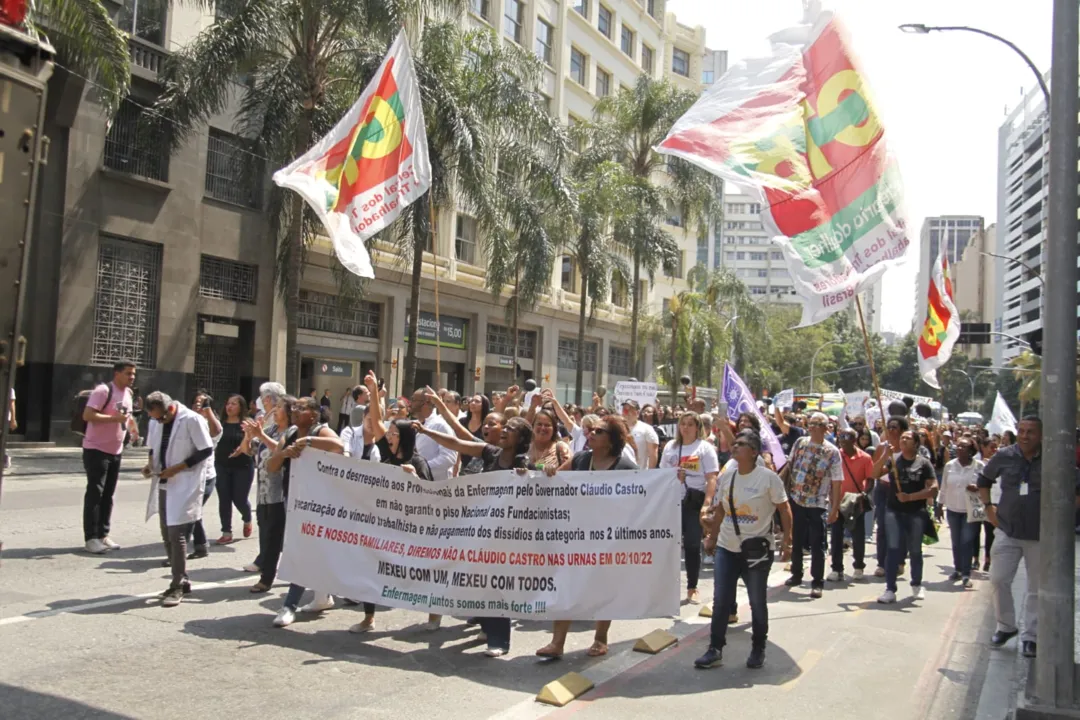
(1024, 484)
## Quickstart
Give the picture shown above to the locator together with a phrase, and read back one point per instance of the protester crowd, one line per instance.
(842, 481)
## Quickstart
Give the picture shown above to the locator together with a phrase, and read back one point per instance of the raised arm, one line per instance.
(471, 448)
(373, 419)
(460, 430)
(781, 421)
(564, 417)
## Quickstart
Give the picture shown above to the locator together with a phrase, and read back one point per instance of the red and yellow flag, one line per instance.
(942, 325)
(374, 162)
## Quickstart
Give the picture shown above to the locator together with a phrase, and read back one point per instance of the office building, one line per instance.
(948, 232)
(974, 288)
(745, 248)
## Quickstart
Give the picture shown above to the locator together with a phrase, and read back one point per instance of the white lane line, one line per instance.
(529, 709)
(126, 599)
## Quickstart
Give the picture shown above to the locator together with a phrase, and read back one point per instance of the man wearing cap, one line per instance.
(645, 438)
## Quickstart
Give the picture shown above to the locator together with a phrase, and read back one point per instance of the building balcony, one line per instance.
(147, 59)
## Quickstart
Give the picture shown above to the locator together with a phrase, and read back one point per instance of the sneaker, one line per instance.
(319, 603)
(756, 659)
(793, 581)
(880, 572)
(835, 577)
(247, 529)
(432, 625)
(201, 551)
(252, 568)
(284, 617)
(917, 592)
(108, 542)
(172, 597)
(858, 575)
(954, 577)
(96, 547)
(707, 560)
(713, 657)
(967, 582)
(362, 627)
(816, 592)
(494, 652)
(887, 598)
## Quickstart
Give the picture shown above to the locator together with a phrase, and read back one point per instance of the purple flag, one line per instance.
(740, 400)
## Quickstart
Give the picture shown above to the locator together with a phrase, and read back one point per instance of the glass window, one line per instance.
(650, 6)
(144, 19)
(618, 361)
(224, 279)
(578, 65)
(755, 208)
(233, 173)
(545, 35)
(481, 8)
(647, 59)
(126, 302)
(758, 256)
(132, 150)
(729, 256)
(619, 292)
(740, 256)
(627, 43)
(680, 62)
(603, 22)
(566, 277)
(603, 83)
(757, 289)
(331, 313)
(512, 22)
(582, 7)
(777, 255)
(707, 77)
(465, 239)
(568, 355)
(500, 341)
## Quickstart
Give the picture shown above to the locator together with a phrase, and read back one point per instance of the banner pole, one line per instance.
(435, 273)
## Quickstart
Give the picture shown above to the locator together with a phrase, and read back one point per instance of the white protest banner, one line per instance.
(784, 399)
(1001, 419)
(854, 403)
(579, 545)
(643, 392)
(887, 395)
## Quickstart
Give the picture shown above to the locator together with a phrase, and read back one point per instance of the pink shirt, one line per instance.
(107, 437)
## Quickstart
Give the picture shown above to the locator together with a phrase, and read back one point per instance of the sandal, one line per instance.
(225, 539)
(247, 529)
(597, 649)
(260, 588)
(692, 596)
(550, 651)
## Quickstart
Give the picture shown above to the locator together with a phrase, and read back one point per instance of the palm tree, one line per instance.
(86, 41)
(730, 305)
(629, 125)
(306, 62)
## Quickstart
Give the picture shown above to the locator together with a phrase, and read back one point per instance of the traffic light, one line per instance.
(1034, 338)
(974, 334)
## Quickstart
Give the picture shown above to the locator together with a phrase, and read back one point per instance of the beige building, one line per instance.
(590, 49)
(974, 286)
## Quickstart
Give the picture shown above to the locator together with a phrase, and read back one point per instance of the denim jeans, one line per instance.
(728, 569)
(497, 631)
(691, 533)
(962, 533)
(808, 527)
(234, 487)
(903, 531)
(858, 544)
(293, 597)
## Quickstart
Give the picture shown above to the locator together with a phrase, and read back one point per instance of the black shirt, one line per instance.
(915, 475)
(583, 461)
(232, 434)
(1017, 514)
(788, 439)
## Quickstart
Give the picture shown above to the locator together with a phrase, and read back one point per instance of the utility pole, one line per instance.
(25, 67)
(1055, 672)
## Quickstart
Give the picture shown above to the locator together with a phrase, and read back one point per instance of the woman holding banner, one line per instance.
(607, 439)
(697, 467)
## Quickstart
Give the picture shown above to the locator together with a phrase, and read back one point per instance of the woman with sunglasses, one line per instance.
(739, 527)
(607, 438)
(698, 467)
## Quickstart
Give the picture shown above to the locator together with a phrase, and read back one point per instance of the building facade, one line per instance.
(590, 49)
(745, 248)
(951, 232)
(974, 290)
(142, 254)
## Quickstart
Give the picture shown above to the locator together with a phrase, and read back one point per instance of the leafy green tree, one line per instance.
(306, 62)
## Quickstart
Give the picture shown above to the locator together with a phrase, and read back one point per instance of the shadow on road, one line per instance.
(19, 703)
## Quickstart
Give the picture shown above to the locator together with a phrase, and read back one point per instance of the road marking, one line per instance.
(127, 599)
(805, 665)
(863, 604)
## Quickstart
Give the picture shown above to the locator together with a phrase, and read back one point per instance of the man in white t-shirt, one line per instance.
(347, 405)
(648, 444)
(441, 460)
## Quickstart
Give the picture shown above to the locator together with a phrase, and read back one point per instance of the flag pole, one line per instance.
(435, 272)
(874, 379)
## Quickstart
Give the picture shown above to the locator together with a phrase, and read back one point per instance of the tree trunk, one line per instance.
(635, 312)
(295, 270)
(710, 362)
(579, 374)
(671, 359)
(420, 233)
(514, 329)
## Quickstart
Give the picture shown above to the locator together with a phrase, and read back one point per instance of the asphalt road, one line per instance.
(82, 636)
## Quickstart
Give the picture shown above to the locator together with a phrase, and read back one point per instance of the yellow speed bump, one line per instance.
(567, 688)
(655, 641)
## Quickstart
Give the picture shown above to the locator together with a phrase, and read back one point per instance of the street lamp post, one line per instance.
(972, 379)
(814, 359)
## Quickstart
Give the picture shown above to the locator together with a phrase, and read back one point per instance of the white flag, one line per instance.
(1002, 418)
(373, 164)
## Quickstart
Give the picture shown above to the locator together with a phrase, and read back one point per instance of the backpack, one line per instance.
(78, 425)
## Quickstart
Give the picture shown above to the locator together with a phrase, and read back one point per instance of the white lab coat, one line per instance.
(183, 491)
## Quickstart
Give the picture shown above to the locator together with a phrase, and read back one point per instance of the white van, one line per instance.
(970, 418)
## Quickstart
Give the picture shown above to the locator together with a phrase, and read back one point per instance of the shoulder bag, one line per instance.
(755, 550)
(853, 505)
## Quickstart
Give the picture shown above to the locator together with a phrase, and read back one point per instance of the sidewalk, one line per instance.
(1008, 671)
(31, 462)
